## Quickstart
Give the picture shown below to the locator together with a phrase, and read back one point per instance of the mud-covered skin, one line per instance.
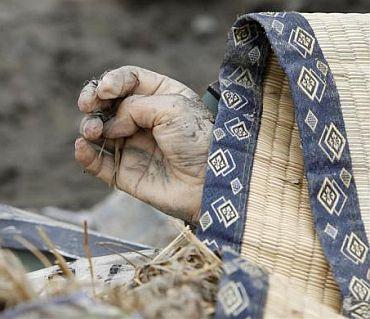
(166, 130)
(165, 166)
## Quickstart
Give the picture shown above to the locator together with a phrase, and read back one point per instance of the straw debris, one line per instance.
(14, 288)
(181, 281)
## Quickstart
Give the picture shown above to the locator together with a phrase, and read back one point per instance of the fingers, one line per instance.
(102, 167)
(134, 80)
(89, 100)
(133, 113)
(91, 127)
(127, 80)
(142, 111)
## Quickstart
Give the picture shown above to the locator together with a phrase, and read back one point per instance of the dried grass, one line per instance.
(14, 288)
(181, 281)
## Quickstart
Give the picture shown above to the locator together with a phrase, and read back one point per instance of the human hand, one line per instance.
(164, 130)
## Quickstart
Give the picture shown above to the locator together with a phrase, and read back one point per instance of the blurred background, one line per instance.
(50, 47)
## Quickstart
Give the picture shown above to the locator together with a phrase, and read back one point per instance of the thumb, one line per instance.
(143, 112)
(135, 80)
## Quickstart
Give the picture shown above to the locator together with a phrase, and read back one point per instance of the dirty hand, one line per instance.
(164, 129)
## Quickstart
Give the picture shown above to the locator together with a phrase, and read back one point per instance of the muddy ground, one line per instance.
(50, 47)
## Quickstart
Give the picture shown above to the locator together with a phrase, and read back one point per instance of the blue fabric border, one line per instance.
(327, 160)
(242, 289)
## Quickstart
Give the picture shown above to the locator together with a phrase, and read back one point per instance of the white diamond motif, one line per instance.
(278, 26)
(236, 186)
(328, 196)
(311, 120)
(332, 142)
(233, 298)
(345, 177)
(206, 221)
(359, 289)
(354, 249)
(308, 83)
(219, 133)
(305, 40)
(331, 231)
(322, 67)
(227, 213)
(254, 55)
(332, 197)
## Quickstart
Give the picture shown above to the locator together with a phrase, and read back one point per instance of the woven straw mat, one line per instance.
(279, 232)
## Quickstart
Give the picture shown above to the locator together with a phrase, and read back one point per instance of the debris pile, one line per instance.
(181, 281)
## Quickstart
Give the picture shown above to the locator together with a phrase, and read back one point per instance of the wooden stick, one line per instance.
(89, 256)
(102, 148)
(118, 146)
